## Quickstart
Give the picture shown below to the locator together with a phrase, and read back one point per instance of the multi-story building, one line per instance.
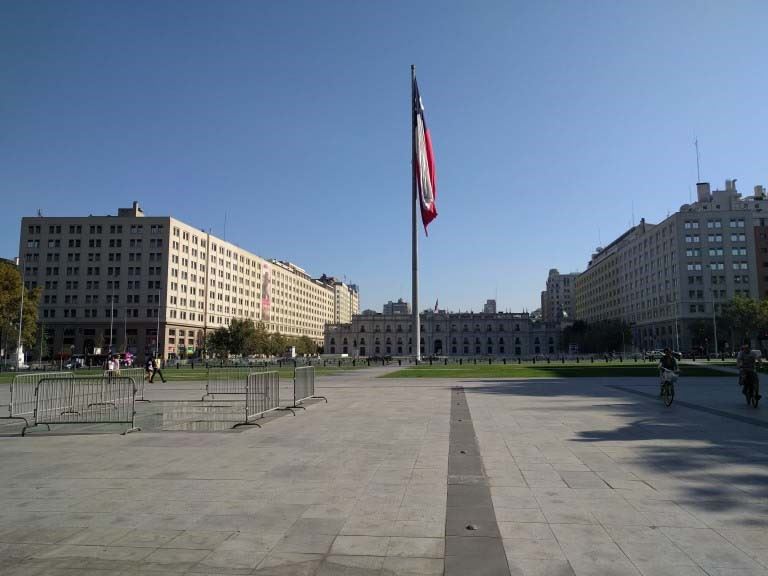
(557, 301)
(443, 334)
(399, 307)
(346, 297)
(146, 283)
(489, 307)
(666, 279)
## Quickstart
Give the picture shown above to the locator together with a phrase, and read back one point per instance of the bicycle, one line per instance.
(667, 378)
(749, 389)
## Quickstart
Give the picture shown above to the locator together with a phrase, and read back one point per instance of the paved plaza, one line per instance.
(547, 477)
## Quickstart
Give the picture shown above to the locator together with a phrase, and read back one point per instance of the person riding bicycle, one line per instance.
(668, 362)
(747, 362)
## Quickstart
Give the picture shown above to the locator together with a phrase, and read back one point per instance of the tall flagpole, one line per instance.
(414, 231)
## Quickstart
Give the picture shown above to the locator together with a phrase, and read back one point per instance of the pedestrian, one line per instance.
(149, 367)
(156, 364)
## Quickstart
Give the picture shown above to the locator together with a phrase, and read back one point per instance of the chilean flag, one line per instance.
(424, 162)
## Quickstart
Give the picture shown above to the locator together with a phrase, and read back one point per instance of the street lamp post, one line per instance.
(19, 351)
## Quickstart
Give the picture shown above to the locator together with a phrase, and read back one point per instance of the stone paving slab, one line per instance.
(584, 477)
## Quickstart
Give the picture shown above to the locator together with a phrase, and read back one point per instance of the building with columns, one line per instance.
(500, 334)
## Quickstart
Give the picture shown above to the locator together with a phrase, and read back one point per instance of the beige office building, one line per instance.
(666, 280)
(123, 280)
(557, 302)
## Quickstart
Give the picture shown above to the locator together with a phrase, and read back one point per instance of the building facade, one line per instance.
(557, 301)
(500, 334)
(667, 280)
(399, 307)
(148, 284)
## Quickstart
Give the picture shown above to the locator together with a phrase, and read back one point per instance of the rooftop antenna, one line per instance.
(225, 224)
(599, 239)
(39, 212)
(698, 166)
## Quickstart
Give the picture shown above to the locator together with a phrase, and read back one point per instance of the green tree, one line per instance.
(242, 337)
(745, 317)
(261, 337)
(598, 337)
(10, 302)
(277, 344)
(306, 346)
(217, 343)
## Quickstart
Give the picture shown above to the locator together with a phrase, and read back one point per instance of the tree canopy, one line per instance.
(246, 338)
(10, 301)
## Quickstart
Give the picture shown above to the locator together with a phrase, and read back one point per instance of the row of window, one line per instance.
(733, 223)
(695, 238)
(696, 252)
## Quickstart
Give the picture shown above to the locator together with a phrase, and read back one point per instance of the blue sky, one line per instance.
(550, 120)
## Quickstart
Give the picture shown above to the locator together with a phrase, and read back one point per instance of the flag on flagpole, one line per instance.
(436, 301)
(424, 162)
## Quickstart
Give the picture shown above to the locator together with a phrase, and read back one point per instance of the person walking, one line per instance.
(149, 367)
(157, 365)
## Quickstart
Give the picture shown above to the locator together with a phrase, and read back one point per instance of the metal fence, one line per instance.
(231, 381)
(304, 386)
(139, 378)
(262, 394)
(88, 400)
(24, 397)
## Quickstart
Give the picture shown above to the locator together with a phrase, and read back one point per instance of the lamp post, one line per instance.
(19, 350)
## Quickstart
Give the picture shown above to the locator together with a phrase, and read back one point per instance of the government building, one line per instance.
(147, 284)
(668, 281)
(442, 334)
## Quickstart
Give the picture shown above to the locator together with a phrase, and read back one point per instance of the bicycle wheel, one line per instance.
(668, 393)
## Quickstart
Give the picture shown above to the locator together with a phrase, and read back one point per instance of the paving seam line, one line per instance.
(473, 543)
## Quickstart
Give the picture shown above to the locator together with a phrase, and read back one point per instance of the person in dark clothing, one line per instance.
(668, 362)
(747, 362)
(157, 369)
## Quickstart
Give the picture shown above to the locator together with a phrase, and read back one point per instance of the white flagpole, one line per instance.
(414, 201)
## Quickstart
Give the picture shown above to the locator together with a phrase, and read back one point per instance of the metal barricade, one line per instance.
(86, 400)
(262, 395)
(304, 386)
(139, 378)
(24, 396)
(228, 380)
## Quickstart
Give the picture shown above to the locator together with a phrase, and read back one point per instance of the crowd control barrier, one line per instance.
(262, 395)
(87, 400)
(228, 380)
(139, 378)
(304, 386)
(24, 398)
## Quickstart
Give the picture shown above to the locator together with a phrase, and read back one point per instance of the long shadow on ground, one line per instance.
(717, 462)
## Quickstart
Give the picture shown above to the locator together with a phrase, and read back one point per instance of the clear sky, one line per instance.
(550, 121)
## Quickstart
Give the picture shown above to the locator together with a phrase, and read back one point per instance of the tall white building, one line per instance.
(557, 302)
(667, 280)
(145, 283)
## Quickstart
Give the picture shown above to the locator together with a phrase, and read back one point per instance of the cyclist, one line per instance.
(668, 362)
(746, 362)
